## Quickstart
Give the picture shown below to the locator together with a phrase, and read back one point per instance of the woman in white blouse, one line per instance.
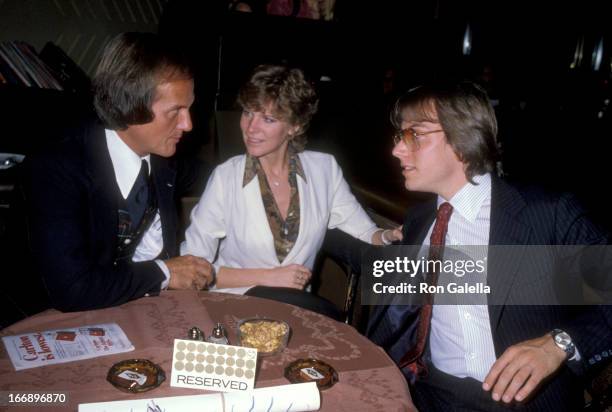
(271, 207)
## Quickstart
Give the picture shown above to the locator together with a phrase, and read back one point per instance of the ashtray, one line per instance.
(135, 375)
(268, 336)
(312, 370)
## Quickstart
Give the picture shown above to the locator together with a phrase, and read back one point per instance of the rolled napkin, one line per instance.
(295, 398)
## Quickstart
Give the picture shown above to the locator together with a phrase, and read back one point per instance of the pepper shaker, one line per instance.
(218, 335)
(195, 333)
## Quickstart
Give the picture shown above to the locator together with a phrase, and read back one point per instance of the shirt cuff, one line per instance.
(575, 365)
(384, 239)
(576, 356)
(164, 268)
(367, 236)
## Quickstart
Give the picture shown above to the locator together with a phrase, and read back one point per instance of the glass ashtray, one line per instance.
(312, 370)
(135, 375)
(268, 336)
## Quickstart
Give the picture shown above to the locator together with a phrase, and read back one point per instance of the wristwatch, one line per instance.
(564, 341)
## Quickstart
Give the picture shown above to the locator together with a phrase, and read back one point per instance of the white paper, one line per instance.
(293, 398)
(31, 350)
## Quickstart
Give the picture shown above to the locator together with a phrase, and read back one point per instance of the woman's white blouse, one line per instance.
(235, 215)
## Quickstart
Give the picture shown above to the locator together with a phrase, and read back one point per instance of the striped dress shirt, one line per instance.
(461, 341)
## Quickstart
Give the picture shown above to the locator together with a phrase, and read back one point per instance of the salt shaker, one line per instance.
(195, 333)
(218, 335)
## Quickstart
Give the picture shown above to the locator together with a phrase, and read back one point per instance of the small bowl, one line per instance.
(268, 336)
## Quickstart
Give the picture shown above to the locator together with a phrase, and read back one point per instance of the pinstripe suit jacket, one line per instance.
(519, 216)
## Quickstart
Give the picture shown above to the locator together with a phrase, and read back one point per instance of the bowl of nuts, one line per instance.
(268, 336)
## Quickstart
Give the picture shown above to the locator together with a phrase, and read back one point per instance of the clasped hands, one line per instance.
(189, 272)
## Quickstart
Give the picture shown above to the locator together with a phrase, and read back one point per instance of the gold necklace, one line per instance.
(276, 183)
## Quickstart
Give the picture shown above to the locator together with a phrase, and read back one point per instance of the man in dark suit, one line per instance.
(102, 216)
(509, 353)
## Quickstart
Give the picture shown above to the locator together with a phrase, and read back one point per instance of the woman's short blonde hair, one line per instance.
(292, 97)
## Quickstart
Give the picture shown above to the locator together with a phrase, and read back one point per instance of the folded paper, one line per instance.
(30, 350)
(291, 398)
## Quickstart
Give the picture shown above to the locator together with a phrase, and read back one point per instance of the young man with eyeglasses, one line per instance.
(500, 355)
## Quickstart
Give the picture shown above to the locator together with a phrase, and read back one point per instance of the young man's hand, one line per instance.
(522, 367)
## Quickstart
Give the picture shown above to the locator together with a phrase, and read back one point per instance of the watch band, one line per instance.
(213, 282)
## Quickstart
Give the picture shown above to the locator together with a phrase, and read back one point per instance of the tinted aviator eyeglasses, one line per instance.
(411, 138)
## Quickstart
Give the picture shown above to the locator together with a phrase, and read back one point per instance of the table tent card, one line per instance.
(291, 398)
(212, 366)
(30, 350)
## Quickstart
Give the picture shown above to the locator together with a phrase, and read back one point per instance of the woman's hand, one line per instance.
(387, 236)
(394, 235)
(291, 276)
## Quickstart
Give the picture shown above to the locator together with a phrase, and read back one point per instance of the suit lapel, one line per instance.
(505, 229)
(105, 191)
(385, 318)
(418, 221)
(164, 180)
(256, 219)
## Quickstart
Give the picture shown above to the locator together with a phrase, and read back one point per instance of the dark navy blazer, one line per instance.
(72, 197)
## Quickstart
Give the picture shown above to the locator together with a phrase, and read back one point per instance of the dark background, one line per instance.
(554, 119)
(552, 106)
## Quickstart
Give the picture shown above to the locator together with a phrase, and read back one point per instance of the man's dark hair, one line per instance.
(131, 68)
(465, 113)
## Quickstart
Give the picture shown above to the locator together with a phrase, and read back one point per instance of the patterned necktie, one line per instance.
(138, 199)
(412, 359)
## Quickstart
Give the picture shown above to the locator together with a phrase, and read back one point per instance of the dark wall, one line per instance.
(554, 120)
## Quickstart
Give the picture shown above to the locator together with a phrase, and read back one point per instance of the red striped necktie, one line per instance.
(412, 358)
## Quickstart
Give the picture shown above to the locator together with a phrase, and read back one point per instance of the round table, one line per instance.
(368, 378)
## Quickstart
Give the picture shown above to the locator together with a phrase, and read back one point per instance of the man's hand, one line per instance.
(290, 276)
(189, 272)
(522, 367)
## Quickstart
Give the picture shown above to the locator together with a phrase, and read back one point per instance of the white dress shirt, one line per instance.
(232, 216)
(461, 341)
(126, 164)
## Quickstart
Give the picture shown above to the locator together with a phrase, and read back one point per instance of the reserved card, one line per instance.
(214, 367)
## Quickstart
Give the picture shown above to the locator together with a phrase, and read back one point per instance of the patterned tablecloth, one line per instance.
(368, 379)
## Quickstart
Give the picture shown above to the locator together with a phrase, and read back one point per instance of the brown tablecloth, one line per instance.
(368, 379)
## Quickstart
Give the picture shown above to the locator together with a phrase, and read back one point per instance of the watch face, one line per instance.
(563, 339)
